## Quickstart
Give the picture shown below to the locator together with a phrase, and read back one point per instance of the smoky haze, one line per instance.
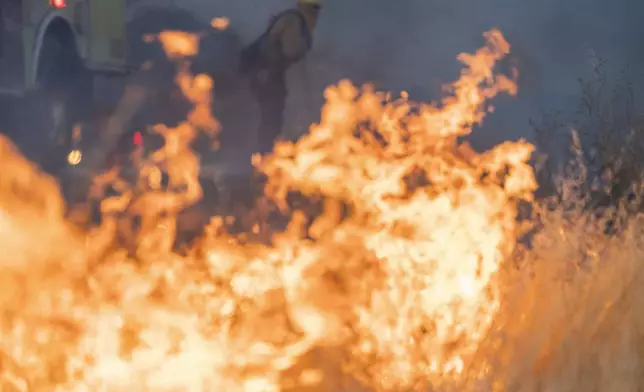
(412, 45)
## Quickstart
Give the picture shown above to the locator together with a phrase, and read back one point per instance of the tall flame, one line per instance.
(428, 226)
(396, 278)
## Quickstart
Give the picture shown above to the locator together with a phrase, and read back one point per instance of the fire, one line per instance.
(398, 281)
(220, 23)
(74, 157)
(178, 44)
(428, 228)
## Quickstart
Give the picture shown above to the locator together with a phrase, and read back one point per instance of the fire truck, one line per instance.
(50, 51)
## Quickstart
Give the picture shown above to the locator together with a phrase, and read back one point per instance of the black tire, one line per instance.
(63, 98)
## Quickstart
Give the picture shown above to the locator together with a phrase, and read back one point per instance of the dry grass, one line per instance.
(573, 320)
(600, 147)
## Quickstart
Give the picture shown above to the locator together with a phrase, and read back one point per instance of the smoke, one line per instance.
(411, 45)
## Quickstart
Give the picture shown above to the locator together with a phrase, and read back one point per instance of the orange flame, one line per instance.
(428, 227)
(220, 23)
(398, 272)
(178, 44)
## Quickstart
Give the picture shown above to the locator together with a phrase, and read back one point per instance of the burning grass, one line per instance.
(412, 277)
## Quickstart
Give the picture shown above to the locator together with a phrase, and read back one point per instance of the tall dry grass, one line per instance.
(573, 318)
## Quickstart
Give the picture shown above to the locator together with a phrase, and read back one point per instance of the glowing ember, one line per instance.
(179, 44)
(220, 23)
(74, 157)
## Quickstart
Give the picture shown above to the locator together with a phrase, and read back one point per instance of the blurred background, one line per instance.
(412, 45)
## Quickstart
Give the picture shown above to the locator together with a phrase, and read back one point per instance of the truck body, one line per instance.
(95, 28)
(50, 51)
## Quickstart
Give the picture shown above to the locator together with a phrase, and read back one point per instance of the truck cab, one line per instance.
(49, 52)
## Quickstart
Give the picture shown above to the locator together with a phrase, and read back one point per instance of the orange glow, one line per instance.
(179, 44)
(74, 157)
(220, 23)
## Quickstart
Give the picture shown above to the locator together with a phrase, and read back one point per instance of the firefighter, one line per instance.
(286, 41)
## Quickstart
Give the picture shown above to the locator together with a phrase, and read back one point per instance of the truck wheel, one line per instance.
(63, 99)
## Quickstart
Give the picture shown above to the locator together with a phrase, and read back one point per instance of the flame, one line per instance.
(221, 23)
(428, 228)
(391, 271)
(178, 44)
